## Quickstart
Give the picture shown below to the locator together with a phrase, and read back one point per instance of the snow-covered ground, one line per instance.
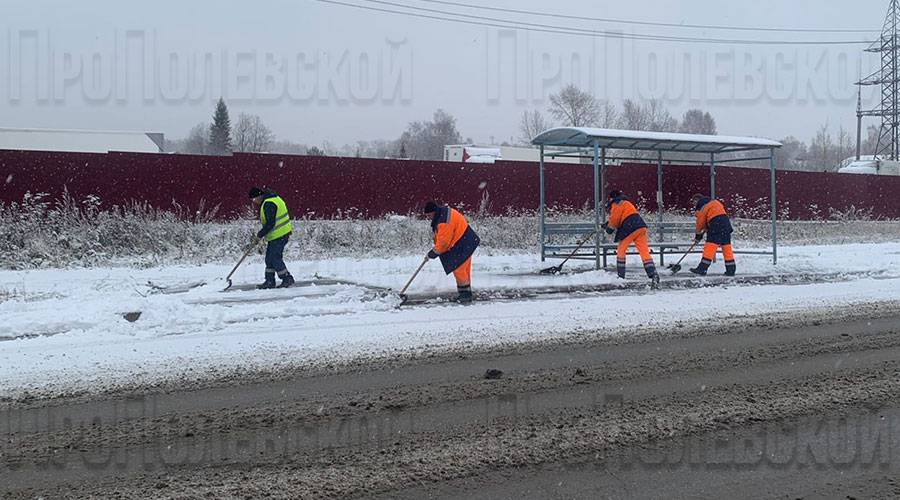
(63, 330)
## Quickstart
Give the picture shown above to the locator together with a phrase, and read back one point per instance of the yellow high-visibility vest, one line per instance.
(282, 218)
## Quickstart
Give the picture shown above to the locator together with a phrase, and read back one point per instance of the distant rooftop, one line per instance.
(81, 141)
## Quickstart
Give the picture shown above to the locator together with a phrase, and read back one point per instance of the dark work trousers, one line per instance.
(275, 257)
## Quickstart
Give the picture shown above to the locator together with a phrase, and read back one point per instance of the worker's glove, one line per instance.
(698, 237)
(432, 254)
(606, 228)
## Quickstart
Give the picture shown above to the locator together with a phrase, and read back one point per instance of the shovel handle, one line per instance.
(580, 244)
(250, 248)
(425, 261)
(686, 253)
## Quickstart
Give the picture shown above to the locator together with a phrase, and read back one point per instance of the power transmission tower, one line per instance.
(888, 145)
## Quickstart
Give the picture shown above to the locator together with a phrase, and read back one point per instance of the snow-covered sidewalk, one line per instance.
(65, 331)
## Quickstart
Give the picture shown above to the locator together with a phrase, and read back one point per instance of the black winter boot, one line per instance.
(269, 283)
(702, 267)
(465, 294)
(650, 269)
(286, 281)
(730, 268)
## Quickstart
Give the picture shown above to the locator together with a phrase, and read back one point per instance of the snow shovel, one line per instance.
(250, 248)
(677, 266)
(557, 269)
(403, 292)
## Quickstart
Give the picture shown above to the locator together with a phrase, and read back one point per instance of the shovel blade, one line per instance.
(675, 268)
(551, 270)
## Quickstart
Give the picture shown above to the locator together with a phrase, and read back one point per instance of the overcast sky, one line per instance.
(316, 71)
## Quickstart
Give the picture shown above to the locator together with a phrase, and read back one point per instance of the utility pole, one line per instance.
(888, 77)
(859, 114)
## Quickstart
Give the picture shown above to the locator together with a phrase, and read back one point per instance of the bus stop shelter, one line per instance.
(595, 144)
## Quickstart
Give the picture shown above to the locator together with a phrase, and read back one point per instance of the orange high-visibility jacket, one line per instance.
(708, 212)
(624, 218)
(454, 239)
(619, 212)
(448, 232)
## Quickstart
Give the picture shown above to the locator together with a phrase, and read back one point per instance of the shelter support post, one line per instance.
(712, 175)
(774, 211)
(659, 205)
(596, 205)
(541, 208)
(603, 197)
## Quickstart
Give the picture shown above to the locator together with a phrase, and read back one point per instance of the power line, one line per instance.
(567, 29)
(647, 23)
(543, 28)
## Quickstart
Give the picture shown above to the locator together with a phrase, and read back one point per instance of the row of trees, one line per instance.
(826, 150)
(574, 107)
(425, 140)
(248, 135)
(571, 106)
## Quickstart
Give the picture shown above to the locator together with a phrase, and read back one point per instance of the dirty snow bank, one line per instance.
(69, 333)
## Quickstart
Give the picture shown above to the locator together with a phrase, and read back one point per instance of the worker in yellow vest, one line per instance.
(276, 229)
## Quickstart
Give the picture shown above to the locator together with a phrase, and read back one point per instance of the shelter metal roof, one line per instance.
(649, 141)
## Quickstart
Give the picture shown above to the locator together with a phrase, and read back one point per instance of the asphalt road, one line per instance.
(804, 410)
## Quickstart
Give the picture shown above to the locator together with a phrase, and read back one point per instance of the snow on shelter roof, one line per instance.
(650, 141)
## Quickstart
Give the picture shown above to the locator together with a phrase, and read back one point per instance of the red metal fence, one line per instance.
(329, 187)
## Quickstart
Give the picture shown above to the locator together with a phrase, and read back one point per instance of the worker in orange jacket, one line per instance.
(629, 227)
(713, 220)
(454, 243)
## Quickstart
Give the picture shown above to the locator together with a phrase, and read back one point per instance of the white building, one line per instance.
(868, 164)
(81, 141)
(463, 153)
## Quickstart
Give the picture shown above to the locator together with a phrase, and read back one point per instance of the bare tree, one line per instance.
(426, 140)
(792, 154)
(531, 124)
(240, 133)
(251, 135)
(574, 107)
(658, 117)
(870, 143)
(633, 116)
(196, 141)
(378, 148)
(844, 145)
(609, 115)
(821, 149)
(697, 121)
